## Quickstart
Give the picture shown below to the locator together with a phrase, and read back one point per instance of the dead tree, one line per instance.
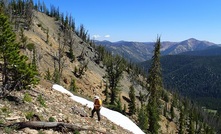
(57, 126)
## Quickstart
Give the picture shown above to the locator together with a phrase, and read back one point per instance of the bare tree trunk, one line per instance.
(58, 126)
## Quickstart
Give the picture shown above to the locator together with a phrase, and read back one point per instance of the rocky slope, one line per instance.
(58, 106)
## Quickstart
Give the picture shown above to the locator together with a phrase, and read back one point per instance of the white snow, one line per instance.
(113, 116)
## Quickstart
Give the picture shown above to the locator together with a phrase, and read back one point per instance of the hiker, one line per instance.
(97, 107)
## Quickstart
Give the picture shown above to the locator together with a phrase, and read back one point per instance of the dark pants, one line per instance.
(98, 113)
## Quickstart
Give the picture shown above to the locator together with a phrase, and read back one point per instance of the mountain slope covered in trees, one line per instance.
(64, 54)
(196, 77)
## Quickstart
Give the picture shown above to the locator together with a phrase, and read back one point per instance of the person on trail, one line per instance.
(97, 107)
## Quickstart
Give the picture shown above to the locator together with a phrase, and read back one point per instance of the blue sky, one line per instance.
(144, 20)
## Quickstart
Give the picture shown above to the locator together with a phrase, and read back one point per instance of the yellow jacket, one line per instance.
(97, 104)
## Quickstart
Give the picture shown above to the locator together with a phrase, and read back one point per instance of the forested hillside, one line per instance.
(196, 77)
(211, 51)
(40, 47)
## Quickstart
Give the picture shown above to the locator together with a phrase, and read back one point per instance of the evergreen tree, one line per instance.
(191, 129)
(119, 105)
(172, 111)
(124, 110)
(71, 51)
(17, 74)
(141, 98)
(115, 69)
(143, 118)
(48, 75)
(23, 38)
(155, 83)
(132, 104)
(153, 114)
(181, 122)
(106, 93)
(73, 86)
(154, 78)
(56, 76)
(47, 35)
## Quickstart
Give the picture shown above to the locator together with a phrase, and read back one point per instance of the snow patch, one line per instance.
(113, 116)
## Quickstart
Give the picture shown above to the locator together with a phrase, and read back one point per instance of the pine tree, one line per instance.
(115, 69)
(153, 114)
(191, 129)
(181, 122)
(17, 74)
(154, 78)
(73, 86)
(143, 118)
(71, 51)
(155, 83)
(48, 75)
(132, 104)
(47, 35)
(119, 105)
(23, 38)
(106, 93)
(172, 111)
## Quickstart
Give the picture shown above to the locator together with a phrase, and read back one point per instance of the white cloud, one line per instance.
(96, 36)
(107, 36)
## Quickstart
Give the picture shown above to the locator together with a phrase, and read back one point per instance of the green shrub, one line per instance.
(41, 100)
(8, 130)
(30, 46)
(51, 119)
(113, 127)
(27, 98)
(76, 132)
(41, 132)
(73, 86)
(4, 109)
(29, 115)
(115, 108)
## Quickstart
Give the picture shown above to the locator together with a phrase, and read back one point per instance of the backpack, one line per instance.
(100, 102)
(97, 102)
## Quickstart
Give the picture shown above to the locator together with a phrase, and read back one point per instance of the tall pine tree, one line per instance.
(155, 83)
(16, 73)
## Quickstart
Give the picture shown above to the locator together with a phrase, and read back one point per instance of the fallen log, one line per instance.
(57, 126)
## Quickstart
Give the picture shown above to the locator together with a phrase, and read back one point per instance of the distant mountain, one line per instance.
(135, 51)
(210, 51)
(142, 51)
(197, 77)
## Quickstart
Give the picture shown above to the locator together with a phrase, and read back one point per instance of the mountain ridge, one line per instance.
(142, 51)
